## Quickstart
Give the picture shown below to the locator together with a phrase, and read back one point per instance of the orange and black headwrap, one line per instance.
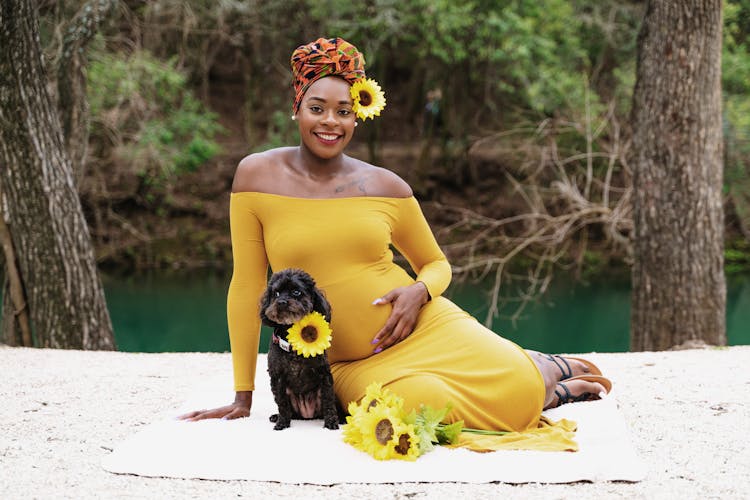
(324, 57)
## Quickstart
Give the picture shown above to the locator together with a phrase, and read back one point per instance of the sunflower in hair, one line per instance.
(310, 336)
(368, 98)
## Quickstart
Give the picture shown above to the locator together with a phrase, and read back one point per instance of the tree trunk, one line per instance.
(679, 291)
(71, 79)
(44, 215)
(16, 329)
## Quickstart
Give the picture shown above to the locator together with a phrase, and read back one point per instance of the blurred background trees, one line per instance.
(509, 118)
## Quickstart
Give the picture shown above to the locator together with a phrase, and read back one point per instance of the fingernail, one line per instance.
(374, 341)
(378, 350)
(377, 301)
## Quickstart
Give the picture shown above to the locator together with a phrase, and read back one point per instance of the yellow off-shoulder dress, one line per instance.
(345, 244)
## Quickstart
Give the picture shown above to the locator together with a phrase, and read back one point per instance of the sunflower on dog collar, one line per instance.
(369, 99)
(310, 336)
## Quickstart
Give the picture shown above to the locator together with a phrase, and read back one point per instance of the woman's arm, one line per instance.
(412, 237)
(247, 285)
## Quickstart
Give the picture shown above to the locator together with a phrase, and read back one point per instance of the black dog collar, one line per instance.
(284, 344)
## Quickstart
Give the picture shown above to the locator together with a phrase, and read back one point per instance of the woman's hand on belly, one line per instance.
(406, 303)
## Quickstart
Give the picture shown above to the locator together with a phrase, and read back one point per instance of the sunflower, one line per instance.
(406, 443)
(379, 430)
(311, 335)
(376, 395)
(351, 431)
(368, 98)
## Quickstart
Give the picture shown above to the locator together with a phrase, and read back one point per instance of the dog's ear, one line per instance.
(265, 301)
(320, 304)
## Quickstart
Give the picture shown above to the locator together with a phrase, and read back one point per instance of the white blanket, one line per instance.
(250, 449)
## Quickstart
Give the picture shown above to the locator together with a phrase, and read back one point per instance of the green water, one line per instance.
(162, 312)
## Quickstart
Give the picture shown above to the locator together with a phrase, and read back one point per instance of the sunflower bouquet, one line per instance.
(380, 426)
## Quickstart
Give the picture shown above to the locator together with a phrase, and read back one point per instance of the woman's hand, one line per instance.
(243, 401)
(406, 302)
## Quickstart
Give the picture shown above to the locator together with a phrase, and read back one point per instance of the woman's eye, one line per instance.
(345, 112)
(316, 109)
(296, 293)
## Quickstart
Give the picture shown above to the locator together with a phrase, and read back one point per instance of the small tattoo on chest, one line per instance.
(359, 183)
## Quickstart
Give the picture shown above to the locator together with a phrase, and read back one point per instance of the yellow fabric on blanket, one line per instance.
(345, 244)
(548, 436)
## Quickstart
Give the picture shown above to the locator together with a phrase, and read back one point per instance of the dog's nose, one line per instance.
(281, 302)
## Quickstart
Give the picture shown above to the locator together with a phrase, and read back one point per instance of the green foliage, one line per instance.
(502, 66)
(737, 256)
(736, 67)
(736, 84)
(157, 125)
(281, 131)
(522, 53)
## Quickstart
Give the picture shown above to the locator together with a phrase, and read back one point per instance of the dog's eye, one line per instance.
(276, 294)
(296, 293)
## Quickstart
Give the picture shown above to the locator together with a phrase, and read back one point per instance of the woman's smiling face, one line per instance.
(325, 117)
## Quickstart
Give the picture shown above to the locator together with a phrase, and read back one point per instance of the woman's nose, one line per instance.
(329, 117)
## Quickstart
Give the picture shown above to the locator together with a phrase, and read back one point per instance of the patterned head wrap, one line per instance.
(325, 57)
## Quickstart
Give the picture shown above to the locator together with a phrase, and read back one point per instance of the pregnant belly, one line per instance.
(354, 319)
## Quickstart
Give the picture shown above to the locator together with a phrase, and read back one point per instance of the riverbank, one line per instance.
(63, 411)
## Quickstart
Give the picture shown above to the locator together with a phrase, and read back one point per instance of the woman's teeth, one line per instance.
(327, 137)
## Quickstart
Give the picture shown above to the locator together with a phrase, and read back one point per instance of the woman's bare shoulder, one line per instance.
(257, 170)
(384, 182)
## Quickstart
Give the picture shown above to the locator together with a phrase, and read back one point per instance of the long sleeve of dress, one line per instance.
(413, 237)
(245, 289)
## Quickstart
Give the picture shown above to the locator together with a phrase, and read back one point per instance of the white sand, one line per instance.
(62, 411)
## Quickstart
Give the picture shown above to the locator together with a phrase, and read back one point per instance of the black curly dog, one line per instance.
(302, 387)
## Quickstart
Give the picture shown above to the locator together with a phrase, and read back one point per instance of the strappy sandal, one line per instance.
(568, 397)
(567, 372)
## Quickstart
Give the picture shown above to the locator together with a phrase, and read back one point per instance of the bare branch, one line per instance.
(560, 201)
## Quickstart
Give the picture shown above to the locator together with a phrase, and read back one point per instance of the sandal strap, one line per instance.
(565, 375)
(563, 398)
(569, 398)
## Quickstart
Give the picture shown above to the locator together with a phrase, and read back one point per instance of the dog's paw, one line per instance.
(280, 426)
(274, 417)
(332, 424)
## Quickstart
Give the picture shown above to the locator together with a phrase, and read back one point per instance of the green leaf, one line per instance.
(428, 419)
(425, 441)
(448, 433)
(410, 418)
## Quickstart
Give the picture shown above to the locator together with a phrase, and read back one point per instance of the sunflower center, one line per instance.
(404, 444)
(384, 431)
(365, 99)
(309, 334)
